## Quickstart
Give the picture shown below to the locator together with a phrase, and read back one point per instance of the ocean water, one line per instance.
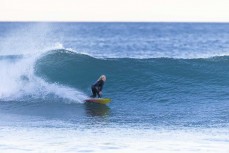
(168, 83)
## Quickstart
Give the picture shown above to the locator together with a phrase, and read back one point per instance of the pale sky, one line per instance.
(115, 10)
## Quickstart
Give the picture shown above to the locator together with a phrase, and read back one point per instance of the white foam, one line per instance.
(17, 75)
(18, 80)
(113, 140)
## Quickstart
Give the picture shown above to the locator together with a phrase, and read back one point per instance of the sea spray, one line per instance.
(19, 51)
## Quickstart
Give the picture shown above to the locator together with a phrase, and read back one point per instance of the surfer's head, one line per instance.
(103, 77)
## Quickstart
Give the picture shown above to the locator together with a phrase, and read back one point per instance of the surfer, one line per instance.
(98, 86)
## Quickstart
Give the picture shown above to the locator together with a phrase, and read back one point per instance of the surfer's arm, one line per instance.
(101, 85)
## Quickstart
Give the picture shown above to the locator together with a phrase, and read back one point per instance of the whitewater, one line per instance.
(168, 83)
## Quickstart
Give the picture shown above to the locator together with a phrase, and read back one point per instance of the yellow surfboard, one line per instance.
(99, 100)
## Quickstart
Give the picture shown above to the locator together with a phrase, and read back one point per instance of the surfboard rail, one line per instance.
(98, 100)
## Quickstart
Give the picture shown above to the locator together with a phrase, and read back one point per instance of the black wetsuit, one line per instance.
(96, 88)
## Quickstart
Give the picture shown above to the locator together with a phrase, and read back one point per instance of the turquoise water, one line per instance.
(167, 81)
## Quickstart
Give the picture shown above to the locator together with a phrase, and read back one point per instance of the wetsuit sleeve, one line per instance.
(101, 86)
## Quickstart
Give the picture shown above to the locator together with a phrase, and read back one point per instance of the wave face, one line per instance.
(158, 74)
(177, 85)
(142, 78)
